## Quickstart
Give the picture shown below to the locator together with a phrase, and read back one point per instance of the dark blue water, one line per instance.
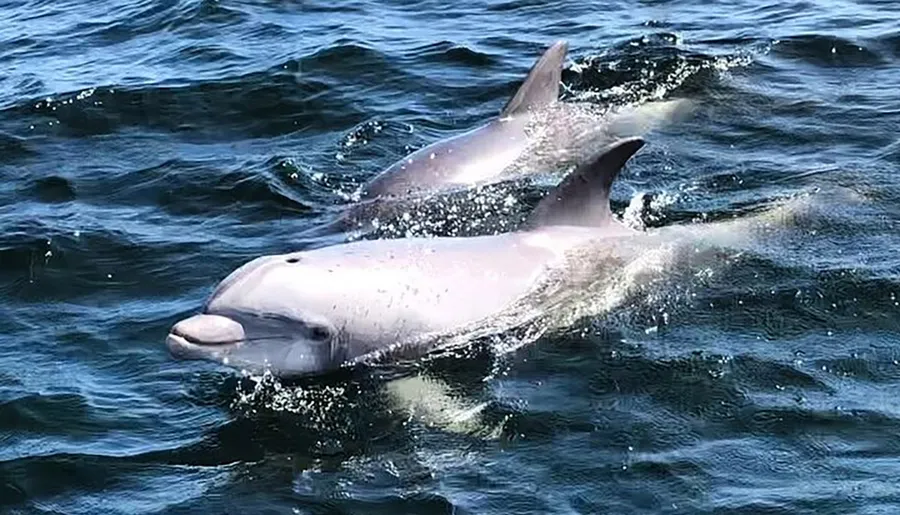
(147, 148)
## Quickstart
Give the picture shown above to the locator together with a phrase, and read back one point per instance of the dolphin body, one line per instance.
(480, 154)
(310, 312)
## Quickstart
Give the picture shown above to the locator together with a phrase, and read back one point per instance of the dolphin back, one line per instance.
(582, 198)
(541, 86)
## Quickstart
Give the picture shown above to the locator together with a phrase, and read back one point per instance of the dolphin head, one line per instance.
(256, 320)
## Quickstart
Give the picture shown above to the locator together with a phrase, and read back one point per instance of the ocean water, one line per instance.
(149, 147)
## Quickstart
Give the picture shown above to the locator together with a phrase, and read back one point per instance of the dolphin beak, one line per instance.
(188, 337)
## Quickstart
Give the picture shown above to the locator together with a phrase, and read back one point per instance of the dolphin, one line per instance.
(482, 153)
(479, 156)
(310, 312)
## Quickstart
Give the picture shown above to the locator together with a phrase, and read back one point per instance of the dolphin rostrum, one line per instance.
(310, 312)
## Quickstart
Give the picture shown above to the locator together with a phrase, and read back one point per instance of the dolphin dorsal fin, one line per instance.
(582, 198)
(541, 86)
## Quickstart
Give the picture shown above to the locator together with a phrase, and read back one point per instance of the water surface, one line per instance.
(148, 147)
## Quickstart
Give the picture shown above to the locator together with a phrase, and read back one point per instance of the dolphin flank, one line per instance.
(311, 312)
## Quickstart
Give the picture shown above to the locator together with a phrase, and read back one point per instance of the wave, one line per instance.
(826, 50)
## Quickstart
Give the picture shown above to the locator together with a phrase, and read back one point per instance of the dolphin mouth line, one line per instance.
(196, 341)
(218, 343)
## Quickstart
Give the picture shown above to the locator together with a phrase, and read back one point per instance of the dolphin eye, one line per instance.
(293, 260)
(319, 332)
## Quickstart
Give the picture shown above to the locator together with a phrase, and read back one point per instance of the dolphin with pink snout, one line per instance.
(312, 312)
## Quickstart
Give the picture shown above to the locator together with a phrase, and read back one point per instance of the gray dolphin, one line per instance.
(478, 156)
(534, 133)
(482, 153)
(310, 312)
